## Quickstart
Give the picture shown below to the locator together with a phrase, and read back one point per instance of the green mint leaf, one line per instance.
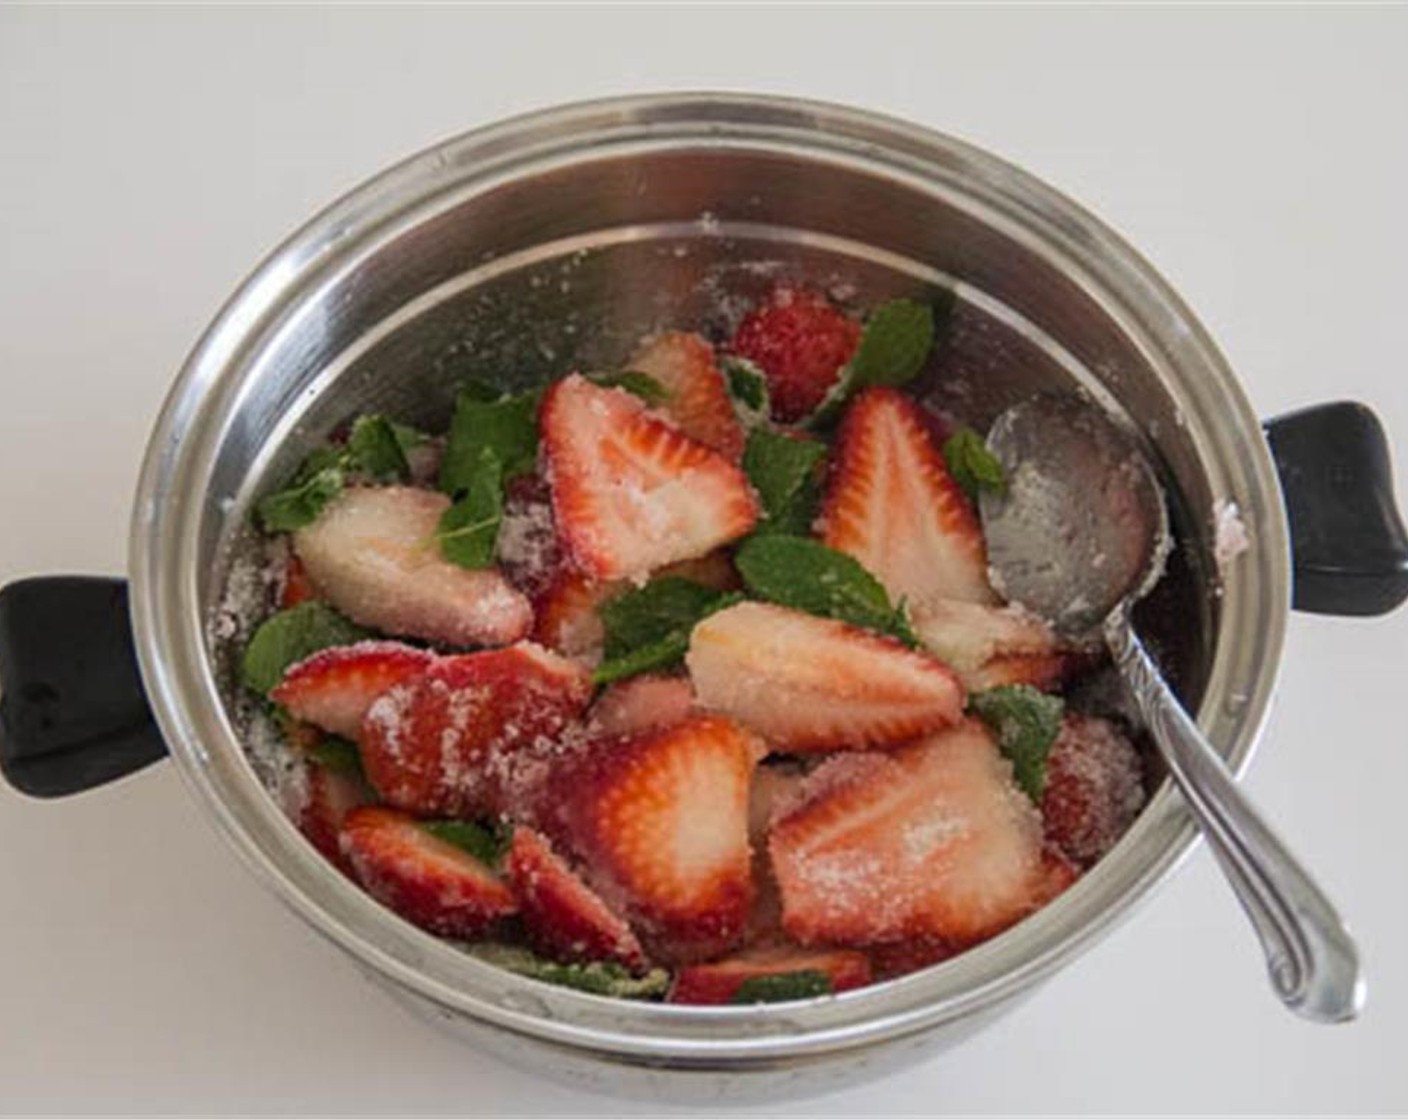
(469, 530)
(805, 983)
(407, 437)
(288, 637)
(894, 344)
(634, 382)
(649, 628)
(783, 471)
(972, 465)
(805, 575)
(339, 756)
(299, 505)
(487, 845)
(372, 447)
(748, 387)
(507, 426)
(602, 978)
(1026, 722)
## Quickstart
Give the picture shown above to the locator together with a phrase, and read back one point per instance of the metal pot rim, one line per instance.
(177, 670)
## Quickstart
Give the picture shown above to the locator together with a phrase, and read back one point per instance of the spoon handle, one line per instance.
(1311, 958)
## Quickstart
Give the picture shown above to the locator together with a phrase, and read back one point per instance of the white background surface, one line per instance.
(148, 159)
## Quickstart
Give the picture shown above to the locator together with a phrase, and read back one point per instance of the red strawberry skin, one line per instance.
(699, 401)
(719, 981)
(891, 503)
(930, 842)
(330, 797)
(814, 684)
(642, 704)
(659, 821)
(451, 740)
(429, 882)
(800, 341)
(297, 587)
(334, 687)
(1094, 788)
(631, 493)
(565, 918)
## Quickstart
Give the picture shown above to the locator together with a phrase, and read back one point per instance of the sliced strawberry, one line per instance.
(813, 684)
(426, 880)
(373, 555)
(699, 402)
(566, 618)
(630, 492)
(330, 797)
(565, 918)
(800, 340)
(296, 587)
(775, 787)
(933, 841)
(719, 981)
(453, 739)
(528, 549)
(900, 958)
(989, 646)
(642, 704)
(335, 687)
(1058, 872)
(1094, 788)
(891, 503)
(660, 823)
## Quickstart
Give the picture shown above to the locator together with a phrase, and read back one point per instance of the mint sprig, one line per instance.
(638, 384)
(285, 638)
(649, 628)
(805, 575)
(783, 470)
(1026, 722)
(748, 389)
(506, 425)
(602, 978)
(780, 987)
(468, 531)
(972, 465)
(487, 845)
(339, 756)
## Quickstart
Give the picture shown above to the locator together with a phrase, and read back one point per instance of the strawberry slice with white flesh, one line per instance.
(451, 740)
(659, 821)
(564, 917)
(720, 981)
(630, 491)
(699, 402)
(328, 798)
(334, 688)
(988, 646)
(892, 504)
(642, 704)
(428, 881)
(933, 841)
(814, 684)
(372, 553)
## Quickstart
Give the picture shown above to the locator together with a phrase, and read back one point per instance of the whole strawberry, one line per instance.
(800, 340)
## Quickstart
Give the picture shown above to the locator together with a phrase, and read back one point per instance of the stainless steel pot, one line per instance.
(554, 240)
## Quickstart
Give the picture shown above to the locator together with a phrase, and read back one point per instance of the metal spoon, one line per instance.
(1079, 535)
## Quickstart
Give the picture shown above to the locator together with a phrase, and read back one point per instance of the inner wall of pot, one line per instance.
(567, 270)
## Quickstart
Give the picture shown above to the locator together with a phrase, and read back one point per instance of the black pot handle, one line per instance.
(1349, 546)
(73, 713)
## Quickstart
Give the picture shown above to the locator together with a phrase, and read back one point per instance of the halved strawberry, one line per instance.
(719, 981)
(931, 841)
(699, 402)
(335, 687)
(330, 796)
(296, 587)
(989, 646)
(642, 703)
(813, 684)
(453, 739)
(800, 340)
(565, 614)
(428, 881)
(1094, 788)
(565, 918)
(630, 492)
(372, 553)
(891, 503)
(659, 821)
